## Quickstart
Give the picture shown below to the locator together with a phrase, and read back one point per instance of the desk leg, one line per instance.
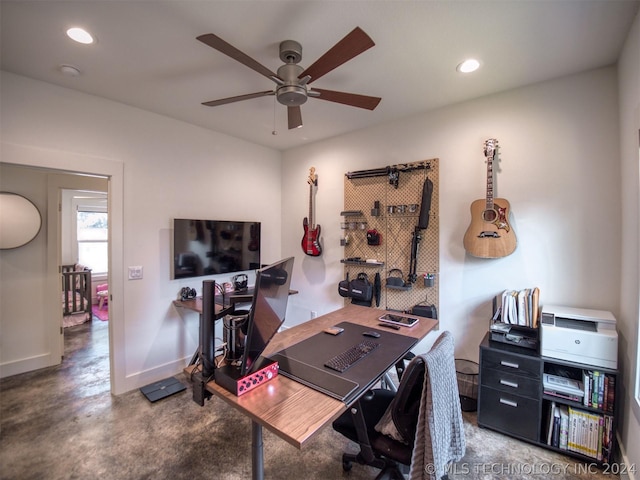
(257, 463)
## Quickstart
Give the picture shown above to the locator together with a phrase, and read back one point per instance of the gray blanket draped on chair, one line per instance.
(440, 433)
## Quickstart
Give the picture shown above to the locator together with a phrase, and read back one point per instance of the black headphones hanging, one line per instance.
(187, 293)
(240, 282)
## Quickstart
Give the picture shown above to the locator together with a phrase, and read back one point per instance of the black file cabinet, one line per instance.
(510, 388)
(512, 401)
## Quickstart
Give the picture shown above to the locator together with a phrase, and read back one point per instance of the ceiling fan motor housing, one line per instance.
(291, 93)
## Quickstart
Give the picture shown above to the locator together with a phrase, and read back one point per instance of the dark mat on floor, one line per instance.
(162, 389)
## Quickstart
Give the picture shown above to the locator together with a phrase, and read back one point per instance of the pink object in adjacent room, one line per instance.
(102, 292)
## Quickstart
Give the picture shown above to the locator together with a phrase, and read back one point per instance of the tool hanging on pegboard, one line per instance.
(392, 171)
(423, 224)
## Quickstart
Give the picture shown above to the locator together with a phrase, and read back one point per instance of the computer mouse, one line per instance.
(371, 334)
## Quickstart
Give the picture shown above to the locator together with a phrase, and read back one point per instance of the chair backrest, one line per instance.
(407, 404)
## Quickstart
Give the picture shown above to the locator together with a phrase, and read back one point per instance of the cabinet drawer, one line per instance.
(509, 413)
(510, 362)
(506, 381)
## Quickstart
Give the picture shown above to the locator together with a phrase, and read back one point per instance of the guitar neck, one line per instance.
(490, 182)
(311, 222)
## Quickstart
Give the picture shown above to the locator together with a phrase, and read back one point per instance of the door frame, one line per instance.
(79, 164)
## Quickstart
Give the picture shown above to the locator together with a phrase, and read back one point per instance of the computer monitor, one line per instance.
(268, 310)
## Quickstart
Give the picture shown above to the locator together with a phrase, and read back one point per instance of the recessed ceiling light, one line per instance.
(468, 66)
(69, 70)
(80, 35)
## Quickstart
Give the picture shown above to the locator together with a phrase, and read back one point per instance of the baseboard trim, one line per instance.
(139, 379)
(25, 365)
(625, 473)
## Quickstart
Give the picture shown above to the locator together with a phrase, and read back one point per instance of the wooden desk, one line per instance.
(290, 409)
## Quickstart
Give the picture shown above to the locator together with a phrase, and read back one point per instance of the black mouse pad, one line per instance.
(309, 356)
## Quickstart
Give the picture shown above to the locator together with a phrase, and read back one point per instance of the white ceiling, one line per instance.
(147, 54)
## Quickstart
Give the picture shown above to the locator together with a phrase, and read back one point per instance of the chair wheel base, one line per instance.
(389, 469)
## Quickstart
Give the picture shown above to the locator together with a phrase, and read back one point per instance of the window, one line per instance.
(93, 240)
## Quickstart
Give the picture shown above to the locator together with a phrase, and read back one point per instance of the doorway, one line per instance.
(84, 240)
(62, 166)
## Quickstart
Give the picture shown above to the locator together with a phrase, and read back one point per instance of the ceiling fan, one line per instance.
(292, 80)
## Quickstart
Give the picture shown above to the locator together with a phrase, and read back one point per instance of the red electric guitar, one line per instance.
(311, 239)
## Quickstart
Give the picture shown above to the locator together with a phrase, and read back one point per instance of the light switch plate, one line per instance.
(135, 273)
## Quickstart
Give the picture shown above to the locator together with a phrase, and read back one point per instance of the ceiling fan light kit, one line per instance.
(292, 80)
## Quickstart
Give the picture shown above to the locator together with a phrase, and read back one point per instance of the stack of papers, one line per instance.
(520, 307)
(562, 385)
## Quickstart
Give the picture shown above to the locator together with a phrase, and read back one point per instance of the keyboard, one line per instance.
(346, 359)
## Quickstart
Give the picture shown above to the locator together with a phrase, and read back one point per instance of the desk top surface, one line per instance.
(290, 409)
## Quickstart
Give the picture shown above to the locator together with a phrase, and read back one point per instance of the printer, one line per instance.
(579, 335)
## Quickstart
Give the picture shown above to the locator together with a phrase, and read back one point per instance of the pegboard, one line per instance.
(397, 228)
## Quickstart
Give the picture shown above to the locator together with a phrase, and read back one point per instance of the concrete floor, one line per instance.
(63, 423)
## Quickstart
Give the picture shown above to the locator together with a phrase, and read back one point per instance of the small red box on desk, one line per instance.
(228, 377)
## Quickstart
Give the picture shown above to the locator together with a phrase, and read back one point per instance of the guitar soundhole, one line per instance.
(489, 215)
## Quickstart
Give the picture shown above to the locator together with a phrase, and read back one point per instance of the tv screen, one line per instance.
(268, 309)
(210, 247)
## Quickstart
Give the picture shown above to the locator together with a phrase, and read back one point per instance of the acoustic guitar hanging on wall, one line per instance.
(489, 235)
(311, 239)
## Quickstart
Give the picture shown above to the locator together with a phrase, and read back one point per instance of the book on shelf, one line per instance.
(599, 390)
(558, 426)
(564, 426)
(589, 434)
(565, 396)
(550, 422)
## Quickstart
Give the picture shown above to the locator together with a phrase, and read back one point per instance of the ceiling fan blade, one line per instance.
(350, 46)
(249, 96)
(295, 117)
(216, 42)
(352, 99)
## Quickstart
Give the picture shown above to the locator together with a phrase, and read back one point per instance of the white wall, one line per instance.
(558, 168)
(629, 319)
(171, 169)
(22, 287)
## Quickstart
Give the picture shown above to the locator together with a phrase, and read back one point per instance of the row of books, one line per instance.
(599, 390)
(520, 307)
(580, 431)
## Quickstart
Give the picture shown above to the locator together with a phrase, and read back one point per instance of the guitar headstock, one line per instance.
(313, 178)
(490, 147)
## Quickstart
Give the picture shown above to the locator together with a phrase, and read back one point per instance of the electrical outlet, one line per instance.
(135, 273)
(314, 314)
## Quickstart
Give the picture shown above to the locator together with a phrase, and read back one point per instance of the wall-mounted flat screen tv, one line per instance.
(210, 247)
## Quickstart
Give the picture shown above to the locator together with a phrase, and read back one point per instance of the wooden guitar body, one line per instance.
(490, 235)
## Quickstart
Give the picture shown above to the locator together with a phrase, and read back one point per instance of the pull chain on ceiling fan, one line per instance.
(292, 80)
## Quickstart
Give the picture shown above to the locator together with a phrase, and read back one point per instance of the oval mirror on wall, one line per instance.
(20, 220)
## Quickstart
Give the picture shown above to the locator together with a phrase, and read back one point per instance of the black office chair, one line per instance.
(391, 455)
